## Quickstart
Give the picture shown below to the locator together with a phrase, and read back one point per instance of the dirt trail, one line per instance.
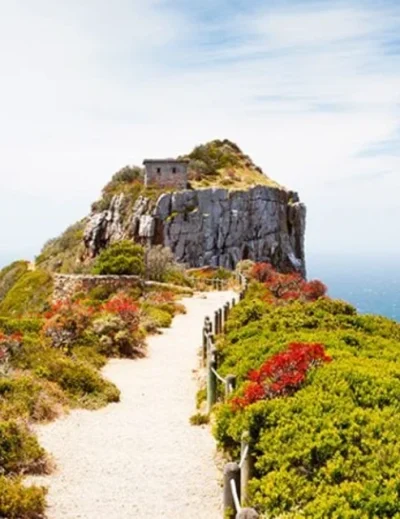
(140, 458)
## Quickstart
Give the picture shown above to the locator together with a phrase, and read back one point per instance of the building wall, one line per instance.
(166, 177)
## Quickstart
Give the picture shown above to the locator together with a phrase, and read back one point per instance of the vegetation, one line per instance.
(29, 294)
(19, 502)
(199, 419)
(10, 275)
(63, 254)
(222, 163)
(318, 391)
(50, 357)
(122, 257)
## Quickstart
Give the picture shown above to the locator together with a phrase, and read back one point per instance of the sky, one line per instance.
(310, 90)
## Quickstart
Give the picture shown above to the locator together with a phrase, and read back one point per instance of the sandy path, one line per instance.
(140, 458)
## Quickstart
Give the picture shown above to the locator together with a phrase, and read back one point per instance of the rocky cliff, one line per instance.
(212, 226)
(232, 211)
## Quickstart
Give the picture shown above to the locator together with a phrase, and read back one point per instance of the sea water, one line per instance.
(372, 285)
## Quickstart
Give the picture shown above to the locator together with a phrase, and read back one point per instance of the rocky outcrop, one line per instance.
(215, 226)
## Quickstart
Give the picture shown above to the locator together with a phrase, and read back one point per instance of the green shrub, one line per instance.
(101, 293)
(62, 254)
(128, 174)
(159, 261)
(19, 449)
(25, 325)
(82, 383)
(116, 339)
(20, 502)
(156, 317)
(199, 419)
(10, 275)
(23, 396)
(120, 258)
(79, 379)
(330, 449)
(29, 295)
(201, 396)
(178, 276)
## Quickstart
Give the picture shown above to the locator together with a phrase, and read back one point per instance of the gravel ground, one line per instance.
(140, 458)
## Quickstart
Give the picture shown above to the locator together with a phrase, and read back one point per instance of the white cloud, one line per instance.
(88, 87)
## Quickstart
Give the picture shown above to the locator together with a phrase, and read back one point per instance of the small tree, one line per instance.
(159, 261)
(120, 258)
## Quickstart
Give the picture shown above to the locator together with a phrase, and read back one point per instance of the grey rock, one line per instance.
(212, 226)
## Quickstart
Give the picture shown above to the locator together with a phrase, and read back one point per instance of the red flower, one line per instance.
(282, 374)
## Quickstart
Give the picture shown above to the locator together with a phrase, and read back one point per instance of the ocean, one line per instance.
(371, 285)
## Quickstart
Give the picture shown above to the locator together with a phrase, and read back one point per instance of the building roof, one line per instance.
(166, 161)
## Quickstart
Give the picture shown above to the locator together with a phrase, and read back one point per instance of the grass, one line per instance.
(29, 295)
(199, 419)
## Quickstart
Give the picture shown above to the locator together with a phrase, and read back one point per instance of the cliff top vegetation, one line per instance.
(222, 163)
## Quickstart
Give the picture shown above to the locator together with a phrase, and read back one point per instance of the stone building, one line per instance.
(166, 172)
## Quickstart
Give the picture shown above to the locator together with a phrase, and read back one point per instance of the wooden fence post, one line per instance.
(220, 320)
(216, 322)
(226, 311)
(247, 465)
(230, 384)
(206, 331)
(211, 378)
(231, 471)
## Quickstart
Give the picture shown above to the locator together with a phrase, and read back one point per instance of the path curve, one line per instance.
(140, 458)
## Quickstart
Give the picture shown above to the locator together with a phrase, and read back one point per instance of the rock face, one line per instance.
(215, 226)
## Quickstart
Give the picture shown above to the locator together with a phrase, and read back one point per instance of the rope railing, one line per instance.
(215, 283)
(236, 475)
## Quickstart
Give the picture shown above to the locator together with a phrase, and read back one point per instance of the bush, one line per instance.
(24, 396)
(156, 318)
(25, 325)
(128, 174)
(10, 275)
(159, 261)
(29, 295)
(66, 323)
(19, 449)
(116, 339)
(245, 267)
(199, 419)
(120, 258)
(62, 254)
(20, 502)
(82, 383)
(327, 447)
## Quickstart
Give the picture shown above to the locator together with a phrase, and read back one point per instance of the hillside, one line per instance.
(230, 211)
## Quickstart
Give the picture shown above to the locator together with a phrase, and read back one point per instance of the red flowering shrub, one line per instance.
(123, 306)
(314, 289)
(287, 287)
(117, 328)
(262, 272)
(282, 374)
(164, 297)
(66, 321)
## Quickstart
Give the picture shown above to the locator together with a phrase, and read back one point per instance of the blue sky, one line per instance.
(311, 90)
